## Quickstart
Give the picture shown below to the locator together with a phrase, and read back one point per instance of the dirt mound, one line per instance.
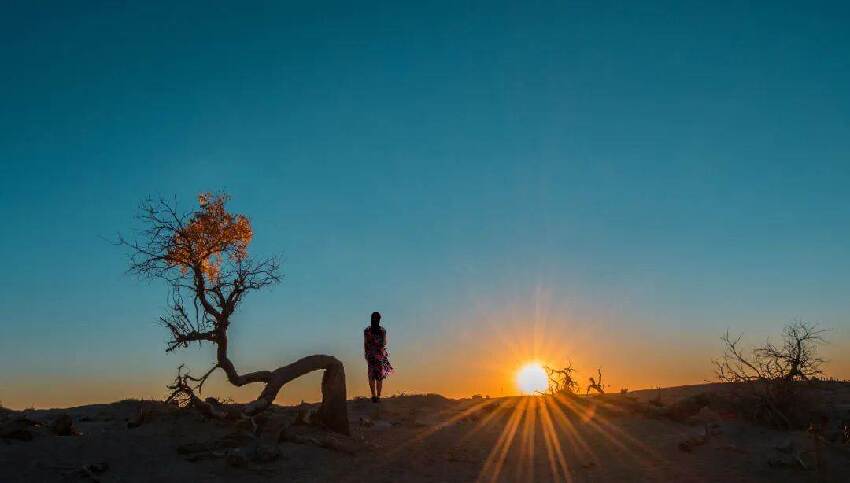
(422, 438)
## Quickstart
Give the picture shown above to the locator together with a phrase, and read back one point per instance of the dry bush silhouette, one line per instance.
(794, 359)
(561, 380)
(771, 374)
(595, 384)
(203, 256)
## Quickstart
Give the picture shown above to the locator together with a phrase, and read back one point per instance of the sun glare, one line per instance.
(532, 379)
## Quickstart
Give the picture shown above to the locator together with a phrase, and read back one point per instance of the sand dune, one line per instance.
(425, 438)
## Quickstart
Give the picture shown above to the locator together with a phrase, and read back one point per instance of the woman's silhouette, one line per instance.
(375, 350)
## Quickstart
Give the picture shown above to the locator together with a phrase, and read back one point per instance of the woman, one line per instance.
(375, 349)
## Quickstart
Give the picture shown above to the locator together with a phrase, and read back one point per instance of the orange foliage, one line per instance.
(211, 234)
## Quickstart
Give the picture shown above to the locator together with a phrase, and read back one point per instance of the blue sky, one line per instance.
(626, 180)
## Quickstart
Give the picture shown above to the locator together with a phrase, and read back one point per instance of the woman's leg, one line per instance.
(380, 385)
(372, 387)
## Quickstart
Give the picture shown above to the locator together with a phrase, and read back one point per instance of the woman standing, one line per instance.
(375, 349)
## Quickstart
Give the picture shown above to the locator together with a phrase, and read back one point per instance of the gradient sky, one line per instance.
(612, 184)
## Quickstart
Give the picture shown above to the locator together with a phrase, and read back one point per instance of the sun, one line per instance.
(531, 378)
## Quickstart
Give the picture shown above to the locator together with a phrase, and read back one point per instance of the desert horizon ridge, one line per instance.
(682, 433)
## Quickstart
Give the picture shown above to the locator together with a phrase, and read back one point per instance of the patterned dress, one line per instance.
(375, 348)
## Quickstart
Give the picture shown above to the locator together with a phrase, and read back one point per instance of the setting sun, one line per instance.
(531, 378)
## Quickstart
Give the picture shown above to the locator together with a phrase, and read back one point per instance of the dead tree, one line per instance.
(561, 380)
(794, 359)
(770, 373)
(595, 384)
(203, 256)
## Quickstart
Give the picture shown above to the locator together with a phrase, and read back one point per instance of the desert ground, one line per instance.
(651, 435)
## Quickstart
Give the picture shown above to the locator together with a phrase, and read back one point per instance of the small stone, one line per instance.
(707, 415)
(63, 425)
(137, 420)
(237, 457)
(97, 468)
(786, 447)
(382, 425)
(460, 455)
(734, 449)
(689, 444)
(265, 453)
(17, 429)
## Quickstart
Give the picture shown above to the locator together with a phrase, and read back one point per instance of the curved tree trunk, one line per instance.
(333, 413)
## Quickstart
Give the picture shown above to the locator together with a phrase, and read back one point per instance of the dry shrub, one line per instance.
(775, 383)
(561, 380)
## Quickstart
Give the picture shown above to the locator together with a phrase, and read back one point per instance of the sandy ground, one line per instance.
(425, 438)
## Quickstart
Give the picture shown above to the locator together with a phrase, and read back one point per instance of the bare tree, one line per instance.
(794, 359)
(561, 380)
(595, 384)
(771, 373)
(203, 256)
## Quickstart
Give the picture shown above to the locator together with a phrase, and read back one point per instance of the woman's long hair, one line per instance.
(376, 329)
